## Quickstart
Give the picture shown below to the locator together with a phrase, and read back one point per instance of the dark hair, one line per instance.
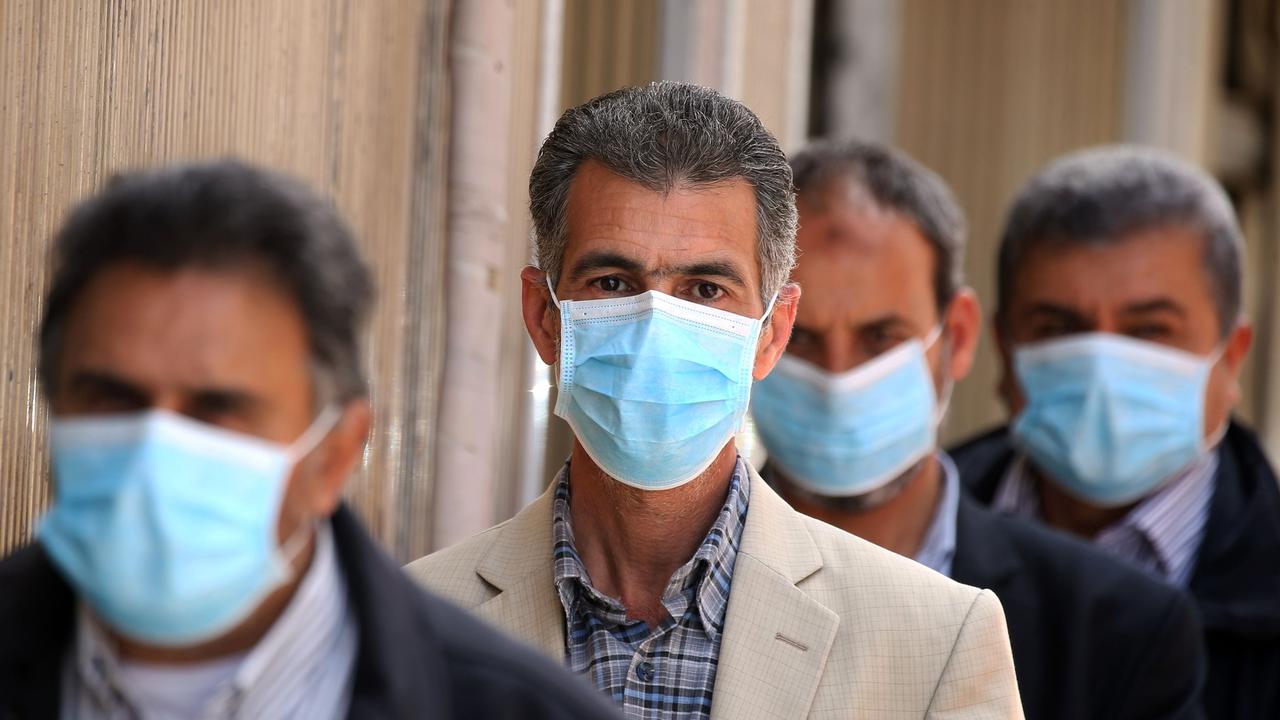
(897, 183)
(222, 215)
(1102, 195)
(661, 136)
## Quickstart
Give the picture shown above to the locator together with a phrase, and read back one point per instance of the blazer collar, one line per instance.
(519, 565)
(775, 635)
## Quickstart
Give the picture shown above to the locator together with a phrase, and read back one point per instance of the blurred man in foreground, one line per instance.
(1122, 338)
(850, 414)
(200, 352)
(658, 563)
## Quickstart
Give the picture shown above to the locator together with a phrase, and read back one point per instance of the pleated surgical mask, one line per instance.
(654, 387)
(1110, 418)
(166, 526)
(849, 434)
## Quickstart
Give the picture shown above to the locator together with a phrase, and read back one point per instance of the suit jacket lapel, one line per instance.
(520, 566)
(775, 635)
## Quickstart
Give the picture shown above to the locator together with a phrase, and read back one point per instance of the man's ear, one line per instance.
(1234, 354)
(962, 326)
(541, 316)
(338, 455)
(776, 331)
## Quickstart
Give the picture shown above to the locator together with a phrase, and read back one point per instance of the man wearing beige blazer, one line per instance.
(658, 563)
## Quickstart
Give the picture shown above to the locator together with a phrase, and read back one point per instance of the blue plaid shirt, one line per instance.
(663, 672)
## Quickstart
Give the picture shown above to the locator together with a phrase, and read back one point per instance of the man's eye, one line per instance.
(611, 284)
(1149, 332)
(708, 291)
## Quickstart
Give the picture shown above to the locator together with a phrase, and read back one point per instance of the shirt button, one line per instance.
(644, 671)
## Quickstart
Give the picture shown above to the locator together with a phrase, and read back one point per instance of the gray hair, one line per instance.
(221, 215)
(662, 136)
(1102, 195)
(897, 183)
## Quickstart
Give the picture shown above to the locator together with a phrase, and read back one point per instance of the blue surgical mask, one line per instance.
(849, 434)
(166, 526)
(653, 386)
(1109, 418)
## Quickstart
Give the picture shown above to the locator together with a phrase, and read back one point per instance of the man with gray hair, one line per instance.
(659, 563)
(1122, 340)
(850, 419)
(201, 354)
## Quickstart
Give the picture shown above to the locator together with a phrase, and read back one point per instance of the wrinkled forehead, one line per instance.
(1107, 276)
(660, 229)
(862, 263)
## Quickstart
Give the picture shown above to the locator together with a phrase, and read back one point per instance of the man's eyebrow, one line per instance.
(226, 398)
(1159, 304)
(884, 321)
(100, 381)
(604, 259)
(713, 268)
(1059, 311)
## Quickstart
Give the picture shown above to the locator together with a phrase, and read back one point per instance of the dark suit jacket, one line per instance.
(418, 656)
(1236, 579)
(1091, 637)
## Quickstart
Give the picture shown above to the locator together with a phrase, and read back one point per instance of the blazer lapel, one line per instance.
(520, 566)
(775, 635)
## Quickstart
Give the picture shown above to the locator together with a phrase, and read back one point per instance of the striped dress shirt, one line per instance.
(664, 672)
(302, 668)
(1160, 535)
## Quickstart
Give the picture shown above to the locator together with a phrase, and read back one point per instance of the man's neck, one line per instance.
(899, 525)
(631, 541)
(238, 640)
(1064, 512)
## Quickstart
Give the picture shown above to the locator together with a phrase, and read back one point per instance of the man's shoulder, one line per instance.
(847, 574)
(453, 572)
(982, 461)
(37, 599)
(849, 559)
(37, 620)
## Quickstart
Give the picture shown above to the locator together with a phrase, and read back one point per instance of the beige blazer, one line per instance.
(820, 624)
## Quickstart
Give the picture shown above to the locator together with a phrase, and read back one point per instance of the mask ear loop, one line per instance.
(308, 441)
(547, 278)
(311, 437)
(943, 402)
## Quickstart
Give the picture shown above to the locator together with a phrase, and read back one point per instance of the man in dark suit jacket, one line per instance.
(1234, 584)
(200, 351)
(849, 420)
(1122, 341)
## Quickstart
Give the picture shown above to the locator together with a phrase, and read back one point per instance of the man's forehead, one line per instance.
(191, 327)
(1131, 271)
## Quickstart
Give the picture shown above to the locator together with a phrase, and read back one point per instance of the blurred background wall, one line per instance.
(422, 120)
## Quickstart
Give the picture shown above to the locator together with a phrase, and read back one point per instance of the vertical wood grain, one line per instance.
(342, 94)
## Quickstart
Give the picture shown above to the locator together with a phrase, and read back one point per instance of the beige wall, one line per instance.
(349, 96)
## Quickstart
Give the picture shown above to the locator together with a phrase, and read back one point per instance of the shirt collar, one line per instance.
(709, 570)
(938, 549)
(1170, 521)
(319, 605)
